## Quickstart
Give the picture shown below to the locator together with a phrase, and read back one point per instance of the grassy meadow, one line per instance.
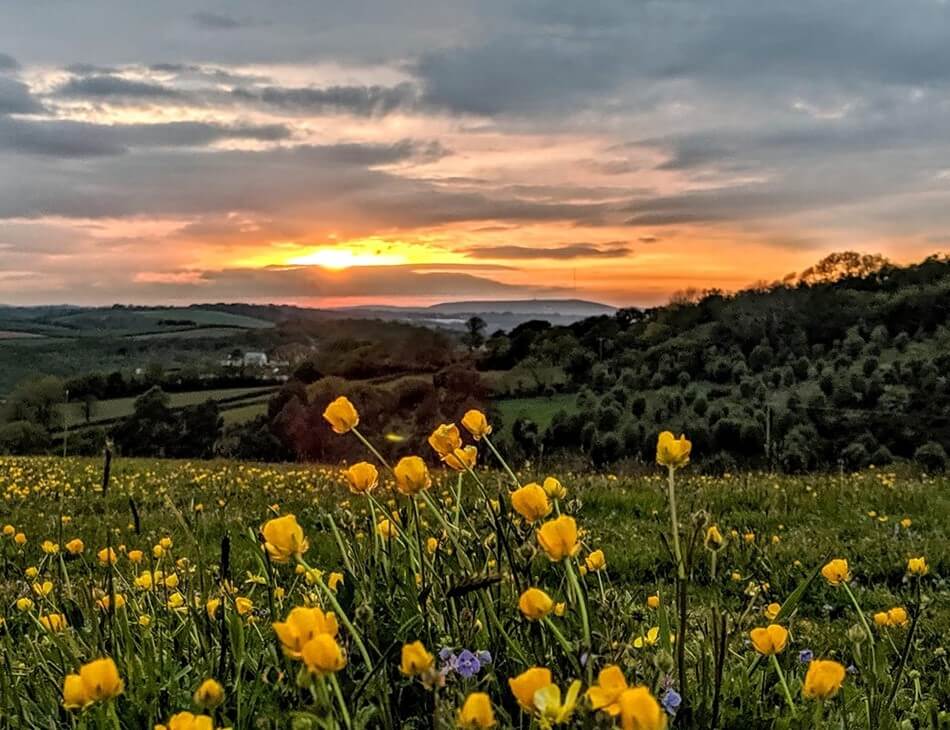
(189, 595)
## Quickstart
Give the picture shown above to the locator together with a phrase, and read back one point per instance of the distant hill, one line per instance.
(559, 307)
(500, 314)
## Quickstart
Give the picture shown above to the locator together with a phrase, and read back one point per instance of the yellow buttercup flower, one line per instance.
(415, 659)
(595, 561)
(362, 477)
(49, 547)
(552, 710)
(531, 502)
(605, 695)
(19, 539)
(284, 539)
(105, 602)
(639, 710)
(527, 683)
(771, 611)
(209, 694)
(918, 566)
(342, 415)
(648, 639)
(24, 604)
(535, 604)
(97, 681)
(334, 580)
(653, 601)
(301, 626)
(106, 556)
(462, 459)
(53, 621)
(476, 424)
(412, 475)
(135, 556)
(188, 721)
(476, 711)
(836, 572)
(770, 640)
(714, 539)
(897, 616)
(558, 538)
(445, 439)
(881, 619)
(553, 488)
(432, 544)
(387, 529)
(671, 451)
(43, 589)
(75, 546)
(211, 607)
(823, 679)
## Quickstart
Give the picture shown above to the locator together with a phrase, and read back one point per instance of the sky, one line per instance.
(409, 152)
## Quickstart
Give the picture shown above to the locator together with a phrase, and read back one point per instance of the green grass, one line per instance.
(540, 410)
(797, 523)
(108, 410)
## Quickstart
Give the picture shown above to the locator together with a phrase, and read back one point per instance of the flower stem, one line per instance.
(781, 679)
(504, 464)
(585, 619)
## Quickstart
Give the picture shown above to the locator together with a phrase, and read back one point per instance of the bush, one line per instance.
(855, 456)
(932, 457)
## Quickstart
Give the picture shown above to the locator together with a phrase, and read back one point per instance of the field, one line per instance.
(194, 595)
(249, 401)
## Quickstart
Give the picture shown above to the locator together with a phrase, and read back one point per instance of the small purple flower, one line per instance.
(446, 654)
(484, 657)
(805, 656)
(852, 669)
(584, 658)
(671, 701)
(467, 664)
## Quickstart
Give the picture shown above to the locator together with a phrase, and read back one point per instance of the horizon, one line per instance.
(332, 156)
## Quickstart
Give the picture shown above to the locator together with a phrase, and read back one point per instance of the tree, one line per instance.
(474, 336)
(36, 401)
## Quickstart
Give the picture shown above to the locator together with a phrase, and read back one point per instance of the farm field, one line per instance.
(194, 594)
(113, 409)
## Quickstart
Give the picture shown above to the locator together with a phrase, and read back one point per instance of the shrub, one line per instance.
(932, 457)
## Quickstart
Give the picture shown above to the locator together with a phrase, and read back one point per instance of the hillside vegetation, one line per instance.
(847, 366)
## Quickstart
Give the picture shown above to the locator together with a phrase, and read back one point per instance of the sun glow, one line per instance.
(343, 258)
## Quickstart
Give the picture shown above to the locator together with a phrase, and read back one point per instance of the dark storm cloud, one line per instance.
(8, 63)
(107, 86)
(84, 139)
(359, 100)
(615, 249)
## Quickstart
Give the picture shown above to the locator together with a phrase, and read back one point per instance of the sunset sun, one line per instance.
(338, 259)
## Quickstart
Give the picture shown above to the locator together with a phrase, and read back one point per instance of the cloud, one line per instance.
(15, 98)
(107, 86)
(218, 21)
(367, 101)
(313, 282)
(615, 249)
(85, 139)
(8, 63)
